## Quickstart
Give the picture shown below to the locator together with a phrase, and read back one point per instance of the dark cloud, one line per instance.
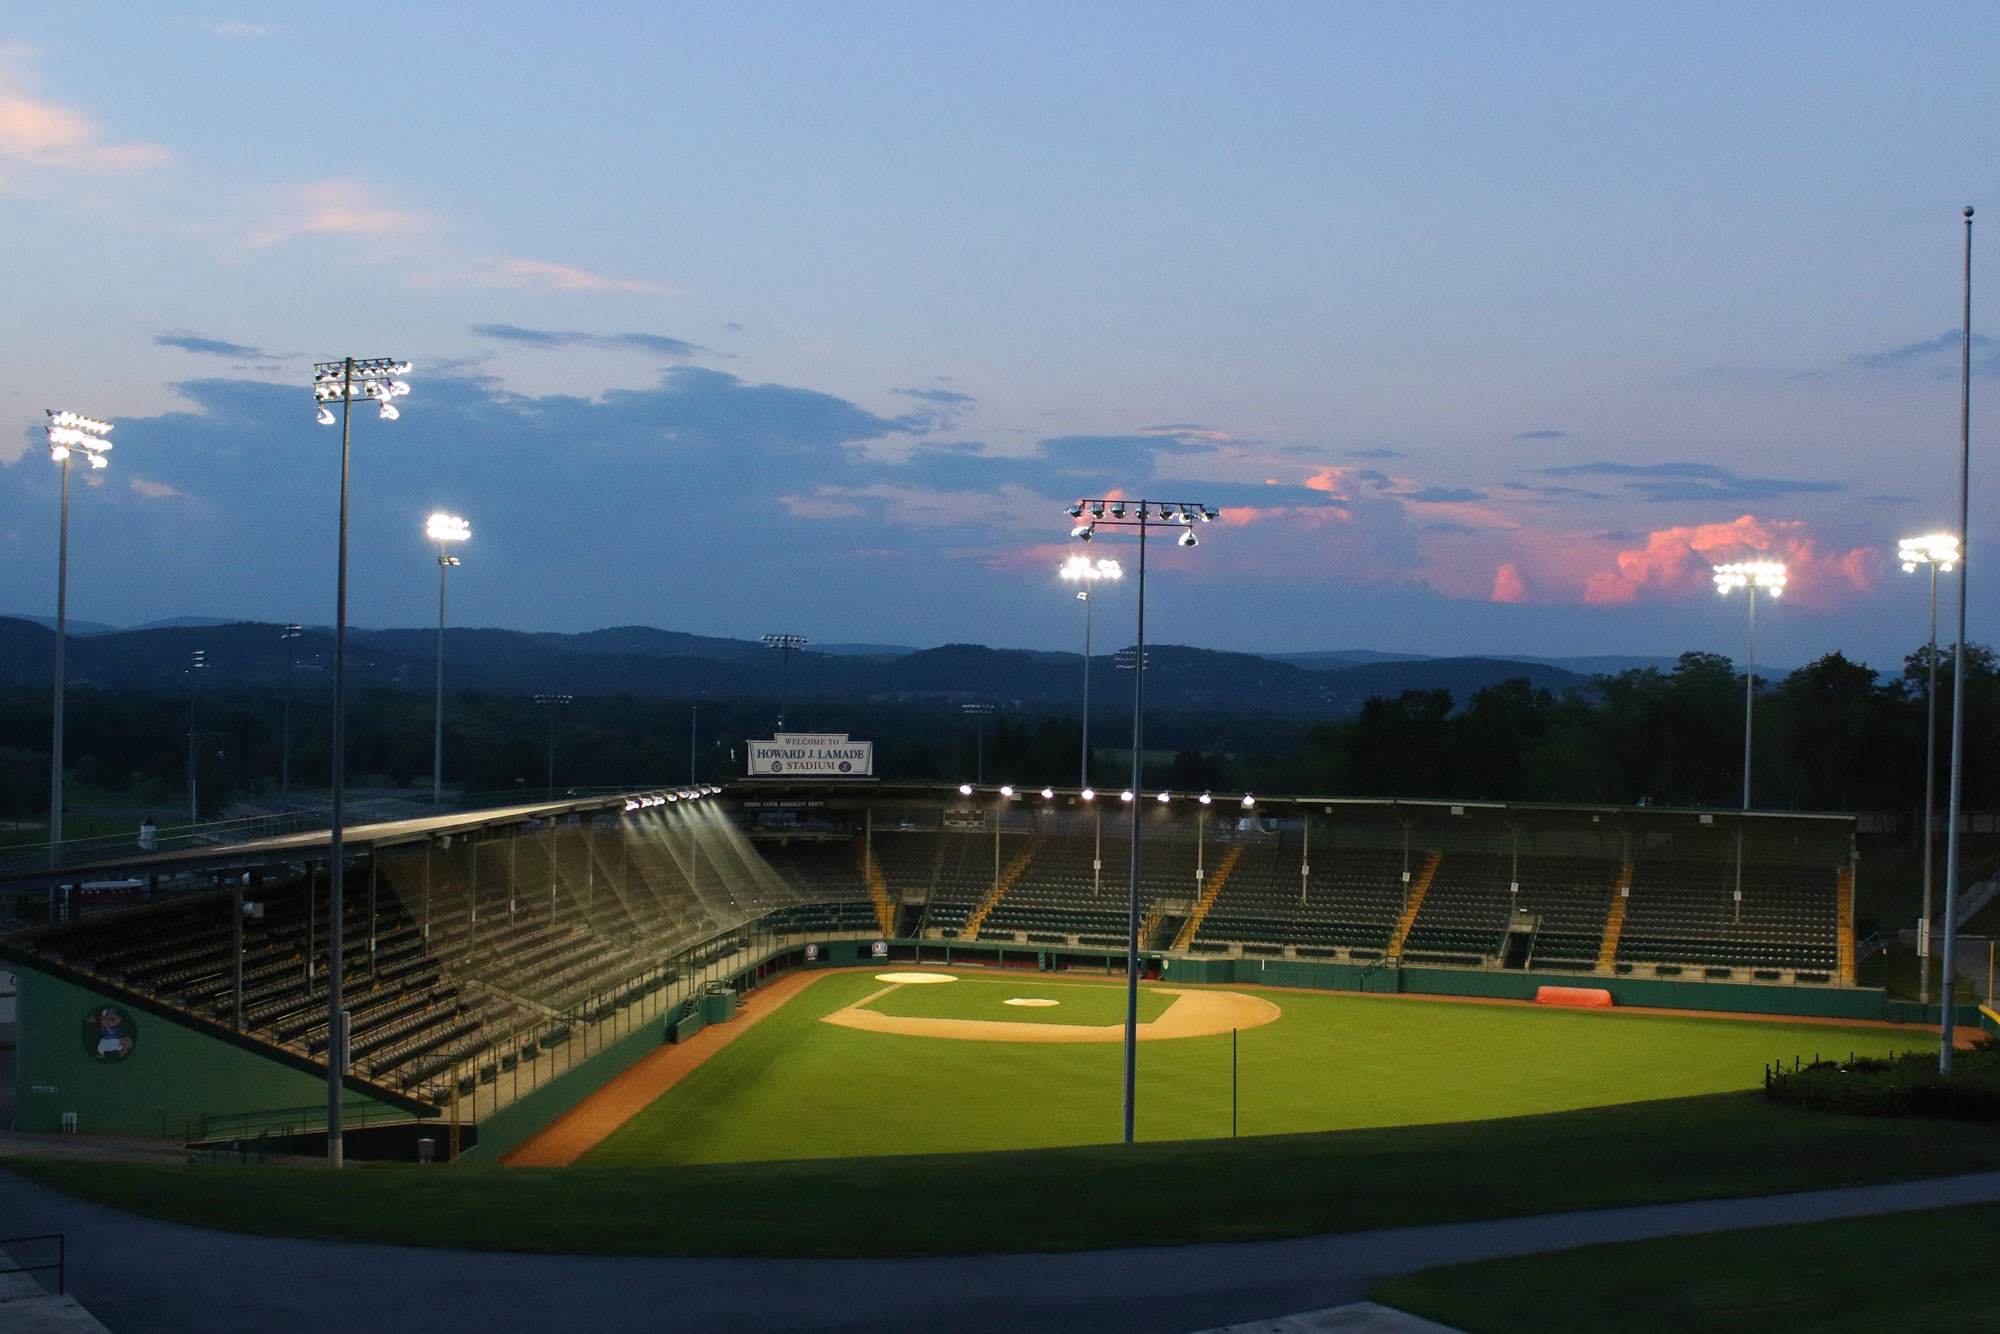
(941, 396)
(213, 347)
(1378, 452)
(1441, 495)
(941, 407)
(1552, 492)
(1694, 481)
(1542, 435)
(1935, 358)
(658, 344)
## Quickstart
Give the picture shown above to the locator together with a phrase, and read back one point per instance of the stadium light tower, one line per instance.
(786, 645)
(197, 660)
(1087, 572)
(1947, 1026)
(1142, 515)
(344, 381)
(1768, 575)
(553, 703)
(290, 635)
(69, 435)
(443, 529)
(1938, 552)
(979, 713)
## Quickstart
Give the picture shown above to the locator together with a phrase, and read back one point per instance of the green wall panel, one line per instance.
(172, 1078)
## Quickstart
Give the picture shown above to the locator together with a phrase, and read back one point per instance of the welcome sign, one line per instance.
(812, 755)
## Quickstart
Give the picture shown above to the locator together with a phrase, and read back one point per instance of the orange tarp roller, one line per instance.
(1590, 998)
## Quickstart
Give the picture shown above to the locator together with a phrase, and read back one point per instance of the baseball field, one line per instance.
(871, 1063)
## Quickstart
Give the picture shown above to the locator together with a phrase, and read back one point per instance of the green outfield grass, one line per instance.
(796, 1088)
(1937, 1271)
(1085, 1004)
(1065, 1199)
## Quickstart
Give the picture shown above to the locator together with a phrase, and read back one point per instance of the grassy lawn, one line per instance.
(1065, 1199)
(1087, 1004)
(1937, 1271)
(796, 1088)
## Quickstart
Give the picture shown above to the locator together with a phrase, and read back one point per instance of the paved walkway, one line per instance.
(141, 1276)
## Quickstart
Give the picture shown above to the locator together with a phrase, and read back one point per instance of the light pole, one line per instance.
(978, 713)
(1113, 513)
(553, 703)
(1938, 551)
(786, 645)
(69, 434)
(1085, 571)
(443, 529)
(1948, 1023)
(289, 635)
(1768, 575)
(343, 381)
(196, 661)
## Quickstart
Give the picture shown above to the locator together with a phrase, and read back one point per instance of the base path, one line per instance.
(1193, 1014)
(583, 1127)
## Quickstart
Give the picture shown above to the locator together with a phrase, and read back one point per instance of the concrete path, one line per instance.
(141, 1276)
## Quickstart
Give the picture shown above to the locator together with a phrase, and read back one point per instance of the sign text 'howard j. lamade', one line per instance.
(812, 755)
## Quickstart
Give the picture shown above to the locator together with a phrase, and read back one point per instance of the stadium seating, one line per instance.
(1685, 913)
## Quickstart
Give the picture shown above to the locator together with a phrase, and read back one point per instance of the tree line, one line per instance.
(1833, 735)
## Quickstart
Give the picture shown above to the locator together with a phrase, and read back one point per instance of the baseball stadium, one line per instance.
(802, 985)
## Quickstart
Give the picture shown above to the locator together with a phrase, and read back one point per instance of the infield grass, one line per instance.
(1086, 1004)
(794, 1087)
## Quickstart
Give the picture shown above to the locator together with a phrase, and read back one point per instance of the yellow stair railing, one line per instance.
(1008, 875)
(1844, 942)
(878, 890)
(1614, 921)
(1420, 887)
(1230, 857)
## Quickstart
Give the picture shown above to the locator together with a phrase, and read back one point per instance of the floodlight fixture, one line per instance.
(786, 645)
(1164, 797)
(1118, 509)
(1076, 511)
(1081, 532)
(1048, 794)
(1765, 575)
(1248, 801)
(1938, 549)
(1126, 795)
(1096, 509)
(1007, 789)
(378, 379)
(72, 433)
(442, 527)
(1204, 798)
(1188, 539)
(965, 789)
(1087, 794)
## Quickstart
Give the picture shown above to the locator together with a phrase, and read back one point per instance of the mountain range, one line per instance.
(649, 662)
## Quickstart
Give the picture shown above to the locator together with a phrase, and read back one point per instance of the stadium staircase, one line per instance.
(878, 890)
(1607, 953)
(1208, 893)
(1844, 927)
(1420, 887)
(1008, 876)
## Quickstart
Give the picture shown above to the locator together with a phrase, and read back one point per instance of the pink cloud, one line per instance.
(38, 134)
(1676, 562)
(1508, 586)
(342, 208)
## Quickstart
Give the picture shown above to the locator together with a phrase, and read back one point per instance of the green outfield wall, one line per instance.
(520, 1120)
(1736, 997)
(142, 1072)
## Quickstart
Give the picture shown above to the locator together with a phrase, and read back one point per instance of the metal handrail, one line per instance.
(59, 1266)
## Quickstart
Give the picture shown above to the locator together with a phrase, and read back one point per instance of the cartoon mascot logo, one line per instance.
(108, 1034)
